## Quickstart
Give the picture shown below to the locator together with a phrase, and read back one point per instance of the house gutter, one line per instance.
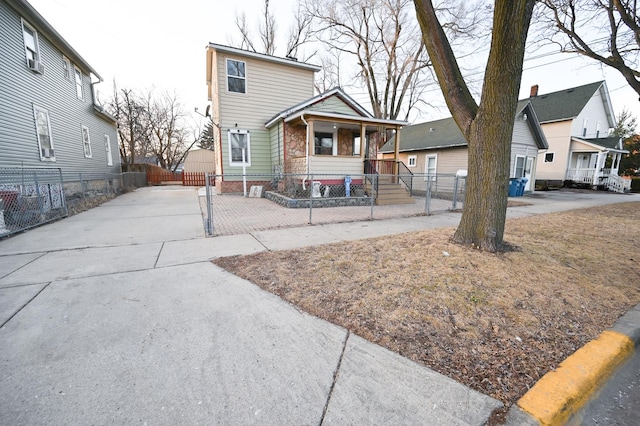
(306, 150)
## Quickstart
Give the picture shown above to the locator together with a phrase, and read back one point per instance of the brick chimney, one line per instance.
(534, 91)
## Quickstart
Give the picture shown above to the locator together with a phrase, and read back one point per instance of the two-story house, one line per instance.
(49, 117)
(268, 120)
(576, 123)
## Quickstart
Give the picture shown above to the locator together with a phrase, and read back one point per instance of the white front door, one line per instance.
(528, 171)
(583, 161)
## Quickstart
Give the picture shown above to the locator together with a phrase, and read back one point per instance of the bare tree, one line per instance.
(487, 126)
(168, 134)
(129, 113)
(266, 32)
(605, 30)
(384, 42)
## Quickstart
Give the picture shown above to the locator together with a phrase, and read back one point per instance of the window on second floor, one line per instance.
(236, 76)
(66, 67)
(78, 77)
(31, 47)
(86, 142)
(549, 157)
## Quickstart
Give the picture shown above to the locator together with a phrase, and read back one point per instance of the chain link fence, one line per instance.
(32, 196)
(269, 201)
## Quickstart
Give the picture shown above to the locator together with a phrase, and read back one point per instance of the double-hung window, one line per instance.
(66, 67)
(236, 76)
(107, 147)
(412, 160)
(31, 48)
(78, 75)
(43, 130)
(86, 142)
(239, 146)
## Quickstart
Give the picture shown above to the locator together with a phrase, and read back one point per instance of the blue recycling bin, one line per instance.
(523, 183)
(514, 184)
(347, 186)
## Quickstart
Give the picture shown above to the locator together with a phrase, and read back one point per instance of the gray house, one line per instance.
(439, 147)
(49, 117)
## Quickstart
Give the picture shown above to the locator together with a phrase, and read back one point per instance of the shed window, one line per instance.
(236, 76)
(412, 160)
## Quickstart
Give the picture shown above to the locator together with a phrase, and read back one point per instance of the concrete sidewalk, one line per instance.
(116, 315)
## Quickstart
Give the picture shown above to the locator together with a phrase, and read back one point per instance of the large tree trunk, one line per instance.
(488, 127)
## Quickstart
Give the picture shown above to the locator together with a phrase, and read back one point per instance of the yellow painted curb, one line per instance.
(560, 393)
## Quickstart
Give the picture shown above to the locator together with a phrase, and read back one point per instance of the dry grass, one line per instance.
(495, 322)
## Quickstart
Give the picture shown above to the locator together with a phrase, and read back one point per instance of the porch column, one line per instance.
(311, 137)
(615, 164)
(363, 135)
(598, 172)
(396, 152)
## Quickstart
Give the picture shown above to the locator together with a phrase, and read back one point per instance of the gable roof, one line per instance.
(612, 143)
(445, 133)
(299, 109)
(292, 62)
(568, 103)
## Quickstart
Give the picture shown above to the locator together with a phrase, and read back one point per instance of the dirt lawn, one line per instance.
(495, 322)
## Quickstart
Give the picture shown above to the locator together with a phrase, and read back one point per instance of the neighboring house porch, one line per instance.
(595, 162)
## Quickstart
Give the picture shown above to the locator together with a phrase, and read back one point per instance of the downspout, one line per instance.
(306, 150)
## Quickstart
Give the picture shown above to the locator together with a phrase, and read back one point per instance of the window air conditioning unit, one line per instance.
(36, 66)
(47, 153)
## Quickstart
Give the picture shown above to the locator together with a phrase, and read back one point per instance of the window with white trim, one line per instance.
(412, 160)
(43, 131)
(431, 166)
(325, 144)
(584, 127)
(86, 142)
(519, 166)
(31, 45)
(66, 67)
(78, 78)
(549, 157)
(236, 76)
(239, 141)
(107, 147)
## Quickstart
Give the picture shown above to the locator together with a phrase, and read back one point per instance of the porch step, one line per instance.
(391, 193)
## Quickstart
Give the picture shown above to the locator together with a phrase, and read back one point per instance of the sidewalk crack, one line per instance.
(158, 258)
(25, 305)
(335, 378)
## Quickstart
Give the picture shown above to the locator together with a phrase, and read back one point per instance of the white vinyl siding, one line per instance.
(332, 104)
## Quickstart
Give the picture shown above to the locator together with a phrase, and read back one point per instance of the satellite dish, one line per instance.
(206, 112)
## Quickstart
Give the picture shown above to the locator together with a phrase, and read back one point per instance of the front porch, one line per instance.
(594, 163)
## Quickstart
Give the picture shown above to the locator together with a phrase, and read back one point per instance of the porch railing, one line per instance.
(618, 184)
(585, 176)
(406, 176)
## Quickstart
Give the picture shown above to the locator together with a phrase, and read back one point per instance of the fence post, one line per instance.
(427, 199)
(310, 199)
(209, 224)
(373, 193)
(455, 193)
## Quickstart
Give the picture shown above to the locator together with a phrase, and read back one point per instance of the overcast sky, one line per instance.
(145, 44)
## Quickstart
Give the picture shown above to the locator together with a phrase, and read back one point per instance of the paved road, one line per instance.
(618, 404)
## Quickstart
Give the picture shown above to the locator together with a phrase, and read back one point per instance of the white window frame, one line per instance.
(553, 157)
(77, 75)
(66, 68)
(243, 78)
(426, 166)
(107, 147)
(523, 168)
(49, 154)
(36, 48)
(334, 143)
(412, 161)
(247, 152)
(86, 142)
(585, 122)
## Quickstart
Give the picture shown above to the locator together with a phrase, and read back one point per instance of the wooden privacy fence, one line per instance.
(158, 177)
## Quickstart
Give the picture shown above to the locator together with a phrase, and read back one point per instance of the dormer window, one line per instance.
(236, 76)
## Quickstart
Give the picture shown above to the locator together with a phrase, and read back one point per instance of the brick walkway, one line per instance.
(235, 214)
